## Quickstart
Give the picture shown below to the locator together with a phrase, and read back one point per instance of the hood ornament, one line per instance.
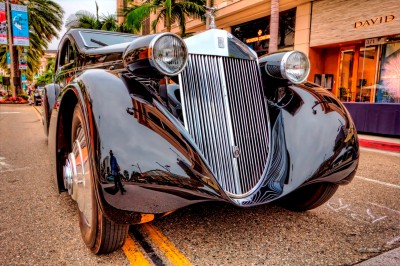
(210, 13)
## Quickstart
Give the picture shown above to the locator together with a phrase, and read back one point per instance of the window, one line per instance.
(67, 54)
(388, 87)
(256, 33)
(96, 39)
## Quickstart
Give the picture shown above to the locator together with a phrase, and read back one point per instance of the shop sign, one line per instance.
(259, 38)
(373, 21)
(374, 41)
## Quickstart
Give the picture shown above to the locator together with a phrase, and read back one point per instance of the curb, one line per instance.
(391, 257)
(380, 145)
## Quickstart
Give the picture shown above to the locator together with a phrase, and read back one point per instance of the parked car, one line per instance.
(37, 95)
(141, 126)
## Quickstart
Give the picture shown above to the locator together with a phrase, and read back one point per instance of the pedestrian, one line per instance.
(29, 89)
(30, 94)
(115, 172)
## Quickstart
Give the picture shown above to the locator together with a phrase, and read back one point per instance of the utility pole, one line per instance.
(14, 71)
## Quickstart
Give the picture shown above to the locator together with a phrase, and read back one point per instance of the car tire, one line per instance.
(99, 233)
(308, 197)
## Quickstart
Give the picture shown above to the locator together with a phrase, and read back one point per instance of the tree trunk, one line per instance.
(168, 7)
(274, 26)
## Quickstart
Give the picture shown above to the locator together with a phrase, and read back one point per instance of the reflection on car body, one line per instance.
(188, 121)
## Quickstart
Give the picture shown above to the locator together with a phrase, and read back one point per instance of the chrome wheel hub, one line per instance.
(76, 173)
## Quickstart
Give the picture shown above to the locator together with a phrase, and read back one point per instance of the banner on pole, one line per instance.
(23, 61)
(20, 27)
(23, 79)
(3, 23)
(8, 59)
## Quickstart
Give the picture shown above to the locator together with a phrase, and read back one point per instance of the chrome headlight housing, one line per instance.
(168, 54)
(293, 65)
(155, 56)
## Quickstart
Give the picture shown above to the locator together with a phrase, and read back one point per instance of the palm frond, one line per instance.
(137, 14)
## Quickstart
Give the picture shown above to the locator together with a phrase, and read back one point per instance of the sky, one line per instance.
(106, 7)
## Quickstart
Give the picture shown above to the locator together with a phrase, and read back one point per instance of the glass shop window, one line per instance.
(255, 33)
(371, 73)
(388, 87)
(346, 75)
(367, 74)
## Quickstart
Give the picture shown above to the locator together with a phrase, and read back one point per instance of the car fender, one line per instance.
(51, 92)
(313, 139)
(161, 170)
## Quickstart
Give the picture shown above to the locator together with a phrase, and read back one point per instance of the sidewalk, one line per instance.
(390, 144)
(391, 257)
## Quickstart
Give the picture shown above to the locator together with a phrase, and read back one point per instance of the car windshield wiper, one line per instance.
(98, 42)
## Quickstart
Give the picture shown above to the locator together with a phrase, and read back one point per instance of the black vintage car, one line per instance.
(141, 126)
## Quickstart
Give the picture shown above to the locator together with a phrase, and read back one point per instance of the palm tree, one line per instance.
(45, 20)
(87, 20)
(274, 26)
(170, 11)
(109, 23)
(82, 19)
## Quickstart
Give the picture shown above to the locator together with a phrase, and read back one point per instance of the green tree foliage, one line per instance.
(45, 20)
(169, 11)
(47, 76)
(87, 20)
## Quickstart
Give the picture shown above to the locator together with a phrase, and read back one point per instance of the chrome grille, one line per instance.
(224, 111)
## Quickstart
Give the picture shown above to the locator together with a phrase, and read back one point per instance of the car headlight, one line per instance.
(168, 54)
(156, 56)
(293, 66)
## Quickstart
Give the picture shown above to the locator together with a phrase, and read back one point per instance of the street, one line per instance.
(38, 226)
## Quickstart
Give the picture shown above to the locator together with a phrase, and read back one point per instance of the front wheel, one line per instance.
(99, 234)
(308, 197)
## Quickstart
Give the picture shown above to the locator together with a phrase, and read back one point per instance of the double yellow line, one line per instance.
(136, 257)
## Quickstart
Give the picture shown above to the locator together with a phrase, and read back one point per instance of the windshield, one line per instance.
(96, 39)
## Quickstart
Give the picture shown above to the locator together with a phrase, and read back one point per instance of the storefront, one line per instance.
(355, 51)
(255, 33)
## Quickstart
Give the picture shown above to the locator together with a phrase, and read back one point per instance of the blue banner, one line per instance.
(20, 27)
(8, 59)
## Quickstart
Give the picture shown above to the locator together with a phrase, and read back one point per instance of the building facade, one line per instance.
(358, 43)
(45, 59)
(353, 46)
(355, 53)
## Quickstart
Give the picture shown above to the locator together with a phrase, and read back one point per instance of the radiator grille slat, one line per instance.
(224, 110)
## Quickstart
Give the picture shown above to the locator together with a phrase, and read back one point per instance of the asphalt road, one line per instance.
(38, 226)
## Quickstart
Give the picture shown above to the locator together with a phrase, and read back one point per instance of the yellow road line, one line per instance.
(170, 251)
(133, 253)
